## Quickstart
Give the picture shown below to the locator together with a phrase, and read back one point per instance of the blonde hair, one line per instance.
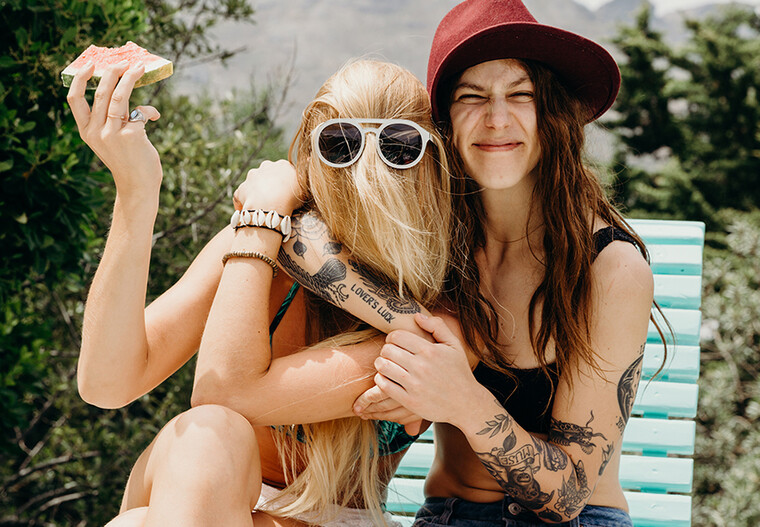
(394, 223)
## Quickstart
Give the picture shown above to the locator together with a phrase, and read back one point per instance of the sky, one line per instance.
(666, 6)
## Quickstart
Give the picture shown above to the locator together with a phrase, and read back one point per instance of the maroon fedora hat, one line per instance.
(477, 31)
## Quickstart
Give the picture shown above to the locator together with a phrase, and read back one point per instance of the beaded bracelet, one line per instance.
(268, 219)
(251, 254)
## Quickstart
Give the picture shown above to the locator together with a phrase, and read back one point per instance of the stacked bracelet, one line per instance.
(268, 219)
(251, 254)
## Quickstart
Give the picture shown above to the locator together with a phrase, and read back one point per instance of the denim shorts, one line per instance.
(508, 513)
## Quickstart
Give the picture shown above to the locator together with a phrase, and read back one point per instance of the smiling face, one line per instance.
(494, 125)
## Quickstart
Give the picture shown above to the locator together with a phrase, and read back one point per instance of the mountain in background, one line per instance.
(313, 38)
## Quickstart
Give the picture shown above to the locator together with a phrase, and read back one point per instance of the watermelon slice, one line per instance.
(156, 68)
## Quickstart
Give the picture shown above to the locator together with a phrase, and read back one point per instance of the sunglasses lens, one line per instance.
(340, 143)
(400, 144)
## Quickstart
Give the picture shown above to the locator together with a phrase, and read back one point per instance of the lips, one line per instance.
(497, 146)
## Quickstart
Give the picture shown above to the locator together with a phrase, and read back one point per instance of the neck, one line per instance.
(513, 219)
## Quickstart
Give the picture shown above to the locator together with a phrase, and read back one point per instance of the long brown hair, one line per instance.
(571, 197)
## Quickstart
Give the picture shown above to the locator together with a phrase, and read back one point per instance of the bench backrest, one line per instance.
(656, 469)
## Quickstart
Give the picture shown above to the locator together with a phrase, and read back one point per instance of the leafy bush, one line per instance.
(63, 462)
(727, 466)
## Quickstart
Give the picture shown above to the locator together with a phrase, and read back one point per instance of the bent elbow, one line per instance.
(204, 394)
(107, 396)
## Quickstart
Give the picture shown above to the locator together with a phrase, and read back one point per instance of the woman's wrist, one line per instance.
(260, 239)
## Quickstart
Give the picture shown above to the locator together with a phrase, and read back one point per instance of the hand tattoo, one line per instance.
(566, 434)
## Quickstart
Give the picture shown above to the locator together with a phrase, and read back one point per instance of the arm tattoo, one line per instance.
(310, 226)
(628, 385)
(572, 495)
(554, 458)
(325, 283)
(515, 474)
(606, 456)
(374, 288)
(566, 434)
(499, 424)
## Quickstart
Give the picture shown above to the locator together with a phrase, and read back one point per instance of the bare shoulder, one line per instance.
(621, 271)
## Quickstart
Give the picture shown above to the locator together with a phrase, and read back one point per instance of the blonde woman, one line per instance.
(368, 161)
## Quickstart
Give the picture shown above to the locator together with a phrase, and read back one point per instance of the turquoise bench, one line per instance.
(656, 469)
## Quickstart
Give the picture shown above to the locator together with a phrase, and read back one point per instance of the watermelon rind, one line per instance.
(156, 68)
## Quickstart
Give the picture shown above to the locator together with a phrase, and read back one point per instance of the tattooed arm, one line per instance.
(320, 263)
(554, 477)
(236, 367)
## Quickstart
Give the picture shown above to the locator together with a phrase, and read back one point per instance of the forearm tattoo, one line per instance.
(566, 434)
(499, 424)
(553, 457)
(380, 295)
(515, 466)
(515, 473)
(628, 385)
(572, 496)
(310, 226)
(326, 282)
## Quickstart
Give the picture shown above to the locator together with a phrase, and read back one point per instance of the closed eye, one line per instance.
(522, 96)
(470, 98)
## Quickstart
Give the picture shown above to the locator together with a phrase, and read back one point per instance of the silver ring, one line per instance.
(137, 115)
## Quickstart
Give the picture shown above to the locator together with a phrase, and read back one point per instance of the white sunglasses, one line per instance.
(340, 142)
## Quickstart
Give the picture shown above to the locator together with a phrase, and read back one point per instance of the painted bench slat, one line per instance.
(678, 291)
(662, 436)
(670, 232)
(659, 474)
(659, 510)
(682, 364)
(686, 324)
(676, 259)
(666, 399)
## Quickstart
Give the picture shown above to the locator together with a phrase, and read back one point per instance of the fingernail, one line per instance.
(89, 63)
(358, 409)
(423, 316)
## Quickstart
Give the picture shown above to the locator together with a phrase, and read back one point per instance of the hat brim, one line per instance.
(583, 66)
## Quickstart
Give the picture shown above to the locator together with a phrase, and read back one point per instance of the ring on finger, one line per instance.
(137, 115)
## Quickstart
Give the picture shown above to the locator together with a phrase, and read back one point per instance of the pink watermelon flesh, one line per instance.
(156, 68)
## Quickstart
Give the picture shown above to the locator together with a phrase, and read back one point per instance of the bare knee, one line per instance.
(208, 446)
(215, 423)
(130, 518)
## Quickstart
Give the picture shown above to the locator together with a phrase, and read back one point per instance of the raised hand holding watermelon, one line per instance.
(122, 144)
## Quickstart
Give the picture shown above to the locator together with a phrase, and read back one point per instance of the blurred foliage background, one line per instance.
(687, 147)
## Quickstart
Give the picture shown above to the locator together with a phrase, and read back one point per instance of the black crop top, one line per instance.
(529, 396)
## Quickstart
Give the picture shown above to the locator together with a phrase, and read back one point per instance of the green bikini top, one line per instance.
(391, 437)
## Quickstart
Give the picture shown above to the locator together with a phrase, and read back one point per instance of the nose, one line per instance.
(498, 114)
